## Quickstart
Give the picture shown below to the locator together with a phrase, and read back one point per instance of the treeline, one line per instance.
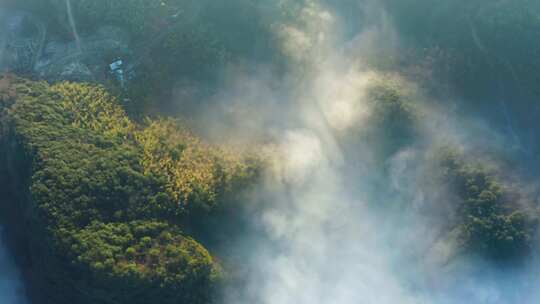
(487, 50)
(494, 218)
(110, 200)
(117, 212)
(491, 212)
(174, 41)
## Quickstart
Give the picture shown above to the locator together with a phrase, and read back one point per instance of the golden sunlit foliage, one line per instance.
(93, 108)
(196, 172)
(113, 198)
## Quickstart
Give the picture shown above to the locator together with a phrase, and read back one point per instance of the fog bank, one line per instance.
(11, 287)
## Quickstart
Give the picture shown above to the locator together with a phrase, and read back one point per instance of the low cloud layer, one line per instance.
(333, 227)
(324, 241)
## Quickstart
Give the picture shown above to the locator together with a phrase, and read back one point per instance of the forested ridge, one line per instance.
(271, 152)
(105, 223)
(110, 200)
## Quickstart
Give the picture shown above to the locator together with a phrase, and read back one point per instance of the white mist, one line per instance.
(11, 286)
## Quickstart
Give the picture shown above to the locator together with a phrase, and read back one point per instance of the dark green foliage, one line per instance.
(393, 112)
(478, 45)
(172, 40)
(394, 117)
(138, 262)
(109, 229)
(490, 220)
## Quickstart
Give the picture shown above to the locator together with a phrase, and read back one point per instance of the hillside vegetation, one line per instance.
(108, 198)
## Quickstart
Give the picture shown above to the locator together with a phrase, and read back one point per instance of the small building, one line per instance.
(118, 71)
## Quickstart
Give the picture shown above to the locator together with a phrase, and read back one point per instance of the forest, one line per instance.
(273, 152)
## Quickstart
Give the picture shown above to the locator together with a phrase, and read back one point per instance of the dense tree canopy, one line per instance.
(112, 196)
(173, 40)
(491, 219)
(118, 208)
(478, 45)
